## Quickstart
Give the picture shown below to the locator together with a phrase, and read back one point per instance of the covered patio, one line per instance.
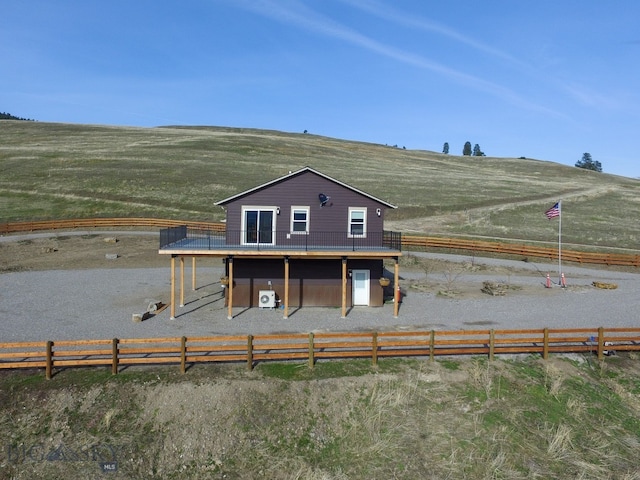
(182, 242)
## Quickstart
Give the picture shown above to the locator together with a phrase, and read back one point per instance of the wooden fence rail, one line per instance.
(18, 227)
(252, 349)
(408, 241)
(412, 241)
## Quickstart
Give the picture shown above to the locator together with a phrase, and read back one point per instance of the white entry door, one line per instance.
(360, 287)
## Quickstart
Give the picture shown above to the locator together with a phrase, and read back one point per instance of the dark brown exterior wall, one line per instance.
(314, 283)
(303, 190)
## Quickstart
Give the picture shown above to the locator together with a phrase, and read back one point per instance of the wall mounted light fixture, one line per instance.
(378, 212)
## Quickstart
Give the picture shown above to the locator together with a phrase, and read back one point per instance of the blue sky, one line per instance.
(546, 79)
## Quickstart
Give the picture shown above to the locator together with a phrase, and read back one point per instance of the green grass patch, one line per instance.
(331, 369)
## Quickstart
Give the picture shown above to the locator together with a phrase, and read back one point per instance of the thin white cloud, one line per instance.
(295, 13)
(380, 10)
(582, 94)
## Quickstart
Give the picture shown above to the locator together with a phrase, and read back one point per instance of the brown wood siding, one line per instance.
(311, 282)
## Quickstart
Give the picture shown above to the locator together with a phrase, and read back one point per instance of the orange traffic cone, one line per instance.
(548, 282)
(563, 283)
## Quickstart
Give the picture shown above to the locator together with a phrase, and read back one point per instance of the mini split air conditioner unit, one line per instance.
(267, 299)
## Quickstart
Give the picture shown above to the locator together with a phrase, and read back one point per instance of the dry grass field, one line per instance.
(52, 171)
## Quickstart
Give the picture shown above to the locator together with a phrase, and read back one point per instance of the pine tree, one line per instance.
(477, 152)
(588, 163)
(466, 150)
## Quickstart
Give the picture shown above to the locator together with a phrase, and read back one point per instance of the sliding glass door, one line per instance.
(259, 226)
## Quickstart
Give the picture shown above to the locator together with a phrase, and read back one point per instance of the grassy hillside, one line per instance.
(65, 171)
(411, 419)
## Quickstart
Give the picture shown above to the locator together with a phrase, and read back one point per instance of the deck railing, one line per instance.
(204, 239)
(311, 347)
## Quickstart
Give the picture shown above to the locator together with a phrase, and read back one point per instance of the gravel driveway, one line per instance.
(77, 304)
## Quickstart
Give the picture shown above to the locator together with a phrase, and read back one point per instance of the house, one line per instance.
(304, 239)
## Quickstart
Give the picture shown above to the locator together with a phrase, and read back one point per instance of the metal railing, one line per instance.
(172, 235)
(199, 239)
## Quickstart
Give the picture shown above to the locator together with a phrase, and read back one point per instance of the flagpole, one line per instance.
(560, 242)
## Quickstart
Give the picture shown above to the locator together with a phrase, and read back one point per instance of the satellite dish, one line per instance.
(323, 199)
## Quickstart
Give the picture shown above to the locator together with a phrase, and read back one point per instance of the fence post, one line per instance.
(49, 365)
(600, 343)
(545, 344)
(183, 355)
(374, 348)
(312, 359)
(432, 345)
(250, 352)
(492, 340)
(114, 356)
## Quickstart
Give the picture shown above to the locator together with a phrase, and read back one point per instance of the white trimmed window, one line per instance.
(300, 220)
(258, 225)
(357, 222)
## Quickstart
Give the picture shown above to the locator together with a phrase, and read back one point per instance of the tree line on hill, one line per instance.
(586, 162)
(8, 116)
(466, 150)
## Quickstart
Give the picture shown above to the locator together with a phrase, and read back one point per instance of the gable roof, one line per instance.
(298, 172)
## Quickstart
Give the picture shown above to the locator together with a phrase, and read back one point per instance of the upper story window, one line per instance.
(357, 222)
(258, 225)
(300, 220)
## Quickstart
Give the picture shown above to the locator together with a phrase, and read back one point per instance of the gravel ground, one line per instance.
(77, 304)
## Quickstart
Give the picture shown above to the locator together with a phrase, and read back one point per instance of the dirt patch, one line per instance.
(467, 279)
(76, 252)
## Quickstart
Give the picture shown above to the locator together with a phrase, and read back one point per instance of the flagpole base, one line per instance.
(563, 281)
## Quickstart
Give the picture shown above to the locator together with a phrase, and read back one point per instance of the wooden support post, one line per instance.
(173, 287)
(396, 287)
(374, 348)
(492, 343)
(545, 344)
(432, 345)
(193, 273)
(181, 282)
(230, 288)
(312, 359)
(286, 288)
(344, 287)
(114, 356)
(600, 343)
(49, 364)
(249, 352)
(183, 354)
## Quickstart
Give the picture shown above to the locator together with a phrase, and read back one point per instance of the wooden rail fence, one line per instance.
(19, 227)
(408, 241)
(630, 260)
(252, 349)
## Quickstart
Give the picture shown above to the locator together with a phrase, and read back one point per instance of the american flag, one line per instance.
(553, 211)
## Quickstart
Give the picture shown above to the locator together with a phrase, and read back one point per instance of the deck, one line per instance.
(188, 241)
